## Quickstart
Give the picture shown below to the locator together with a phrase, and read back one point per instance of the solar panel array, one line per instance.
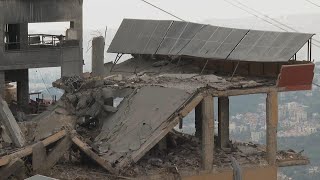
(177, 38)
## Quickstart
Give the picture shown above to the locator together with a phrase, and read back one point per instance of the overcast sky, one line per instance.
(99, 13)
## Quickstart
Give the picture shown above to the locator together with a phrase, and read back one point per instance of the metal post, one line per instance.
(310, 49)
(308, 53)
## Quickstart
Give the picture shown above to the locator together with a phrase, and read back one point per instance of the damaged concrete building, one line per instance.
(20, 50)
(176, 67)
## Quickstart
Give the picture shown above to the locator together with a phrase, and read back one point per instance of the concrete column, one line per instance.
(23, 89)
(23, 35)
(98, 56)
(223, 118)
(272, 124)
(207, 133)
(2, 40)
(2, 84)
(198, 120)
(78, 26)
(74, 67)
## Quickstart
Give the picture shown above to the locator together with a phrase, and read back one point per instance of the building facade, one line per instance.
(20, 50)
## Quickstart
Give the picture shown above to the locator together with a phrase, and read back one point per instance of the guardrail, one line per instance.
(41, 41)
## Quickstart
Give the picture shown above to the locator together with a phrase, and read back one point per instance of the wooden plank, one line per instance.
(207, 133)
(165, 129)
(28, 150)
(87, 150)
(223, 119)
(11, 124)
(272, 124)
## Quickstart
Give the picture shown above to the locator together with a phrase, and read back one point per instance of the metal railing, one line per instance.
(45, 39)
(41, 41)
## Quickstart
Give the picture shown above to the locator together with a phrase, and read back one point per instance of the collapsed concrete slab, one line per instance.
(139, 123)
(53, 120)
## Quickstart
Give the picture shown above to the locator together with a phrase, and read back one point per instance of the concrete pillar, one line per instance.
(198, 120)
(98, 56)
(74, 67)
(223, 119)
(272, 124)
(207, 133)
(23, 89)
(2, 26)
(23, 36)
(78, 26)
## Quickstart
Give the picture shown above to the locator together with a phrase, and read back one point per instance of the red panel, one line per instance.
(296, 77)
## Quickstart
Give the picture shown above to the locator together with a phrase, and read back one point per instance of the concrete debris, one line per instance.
(289, 155)
(21, 116)
(52, 121)
(160, 63)
(138, 117)
(117, 77)
(15, 168)
(4, 136)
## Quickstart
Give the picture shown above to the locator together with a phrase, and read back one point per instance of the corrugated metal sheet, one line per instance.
(205, 41)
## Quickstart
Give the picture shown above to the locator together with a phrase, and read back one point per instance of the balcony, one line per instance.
(40, 50)
(39, 41)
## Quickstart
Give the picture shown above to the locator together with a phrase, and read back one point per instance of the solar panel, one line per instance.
(205, 41)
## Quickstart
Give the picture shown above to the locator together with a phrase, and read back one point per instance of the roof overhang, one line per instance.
(177, 38)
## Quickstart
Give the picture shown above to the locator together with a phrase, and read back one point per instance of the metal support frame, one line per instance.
(311, 49)
(309, 53)
(116, 60)
(294, 57)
